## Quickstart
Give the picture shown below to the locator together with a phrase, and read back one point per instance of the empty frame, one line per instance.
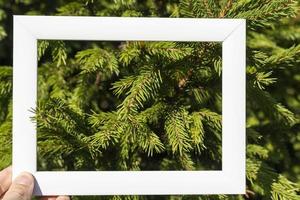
(231, 32)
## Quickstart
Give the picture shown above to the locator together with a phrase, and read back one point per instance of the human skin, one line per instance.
(20, 188)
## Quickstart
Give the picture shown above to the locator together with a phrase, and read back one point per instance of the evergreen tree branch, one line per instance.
(270, 107)
(261, 13)
(197, 131)
(144, 88)
(176, 127)
(93, 60)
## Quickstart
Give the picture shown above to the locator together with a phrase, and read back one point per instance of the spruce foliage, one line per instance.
(157, 105)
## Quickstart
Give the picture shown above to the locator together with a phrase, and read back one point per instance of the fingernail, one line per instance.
(24, 179)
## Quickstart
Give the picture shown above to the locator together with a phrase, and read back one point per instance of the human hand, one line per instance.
(21, 188)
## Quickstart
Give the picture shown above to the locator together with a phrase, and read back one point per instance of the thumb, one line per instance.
(21, 188)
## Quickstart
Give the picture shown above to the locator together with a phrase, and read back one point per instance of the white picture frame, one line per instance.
(231, 32)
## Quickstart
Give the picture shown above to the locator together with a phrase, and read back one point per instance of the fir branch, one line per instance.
(173, 10)
(144, 88)
(263, 79)
(197, 9)
(285, 190)
(218, 65)
(261, 13)
(197, 131)
(5, 92)
(126, 3)
(53, 146)
(56, 121)
(283, 56)
(201, 95)
(108, 129)
(252, 172)
(53, 81)
(167, 50)
(129, 52)
(59, 52)
(5, 82)
(103, 138)
(73, 9)
(260, 41)
(226, 8)
(5, 139)
(120, 87)
(132, 13)
(42, 47)
(254, 150)
(280, 57)
(186, 161)
(100, 119)
(288, 33)
(3, 33)
(176, 127)
(266, 182)
(212, 119)
(149, 141)
(260, 176)
(153, 114)
(93, 60)
(270, 107)
(253, 136)
(137, 135)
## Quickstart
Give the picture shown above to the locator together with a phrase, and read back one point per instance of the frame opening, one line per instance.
(86, 90)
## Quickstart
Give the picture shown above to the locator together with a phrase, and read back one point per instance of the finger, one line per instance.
(5, 180)
(55, 198)
(21, 188)
(63, 198)
(49, 198)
